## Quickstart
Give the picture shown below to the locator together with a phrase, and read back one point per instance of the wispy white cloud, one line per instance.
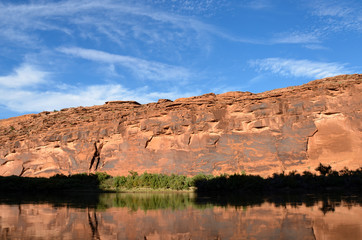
(205, 7)
(338, 15)
(297, 37)
(139, 67)
(24, 76)
(299, 68)
(113, 19)
(315, 47)
(256, 4)
(331, 8)
(121, 22)
(17, 96)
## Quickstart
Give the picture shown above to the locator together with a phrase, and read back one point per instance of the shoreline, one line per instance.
(328, 181)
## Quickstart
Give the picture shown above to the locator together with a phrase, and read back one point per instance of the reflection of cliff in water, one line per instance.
(183, 216)
(93, 223)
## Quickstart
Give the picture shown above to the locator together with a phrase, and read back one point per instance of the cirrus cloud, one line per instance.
(139, 67)
(299, 68)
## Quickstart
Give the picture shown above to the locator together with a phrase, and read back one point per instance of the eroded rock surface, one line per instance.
(287, 129)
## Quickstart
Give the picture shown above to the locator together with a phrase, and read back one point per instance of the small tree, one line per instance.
(324, 170)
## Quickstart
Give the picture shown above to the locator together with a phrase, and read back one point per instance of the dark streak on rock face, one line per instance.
(96, 156)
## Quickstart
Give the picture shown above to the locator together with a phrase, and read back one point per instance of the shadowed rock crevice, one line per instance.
(307, 143)
(4, 162)
(96, 156)
(189, 141)
(23, 171)
(216, 141)
(148, 141)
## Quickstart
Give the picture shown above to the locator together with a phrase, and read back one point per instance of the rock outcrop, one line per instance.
(293, 128)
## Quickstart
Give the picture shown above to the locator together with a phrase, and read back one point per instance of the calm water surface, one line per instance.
(179, 216)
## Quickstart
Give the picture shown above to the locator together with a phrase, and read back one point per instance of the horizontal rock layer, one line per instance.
(293, 128)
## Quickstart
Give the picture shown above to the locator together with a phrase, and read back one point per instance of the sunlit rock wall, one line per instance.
(287, 129)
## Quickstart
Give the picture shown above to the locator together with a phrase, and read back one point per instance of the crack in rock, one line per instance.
(306, 147)
(96, 156)
(148, 141)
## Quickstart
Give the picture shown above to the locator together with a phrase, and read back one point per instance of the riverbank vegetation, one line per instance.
(101, 182)
(326, 180)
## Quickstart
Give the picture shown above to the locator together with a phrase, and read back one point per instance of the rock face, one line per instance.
(293, 128)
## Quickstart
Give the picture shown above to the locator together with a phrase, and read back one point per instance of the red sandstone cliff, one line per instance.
(286, 129)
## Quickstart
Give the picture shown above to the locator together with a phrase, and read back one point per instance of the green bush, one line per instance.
(102, 176)
(119, 181)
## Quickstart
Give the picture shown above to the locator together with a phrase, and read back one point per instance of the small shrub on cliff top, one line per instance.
(11, 129)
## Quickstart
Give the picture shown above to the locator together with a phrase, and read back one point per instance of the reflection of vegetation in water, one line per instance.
(178, 201)
(145, 201)
(327, 202)
(68, 199)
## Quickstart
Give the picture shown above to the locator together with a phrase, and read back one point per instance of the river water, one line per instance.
(179, 216)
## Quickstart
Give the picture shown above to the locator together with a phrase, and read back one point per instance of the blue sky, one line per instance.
(59, 54)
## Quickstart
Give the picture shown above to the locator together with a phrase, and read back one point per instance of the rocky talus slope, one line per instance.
(287, 129)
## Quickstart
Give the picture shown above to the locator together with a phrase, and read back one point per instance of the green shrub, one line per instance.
(119, 181)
